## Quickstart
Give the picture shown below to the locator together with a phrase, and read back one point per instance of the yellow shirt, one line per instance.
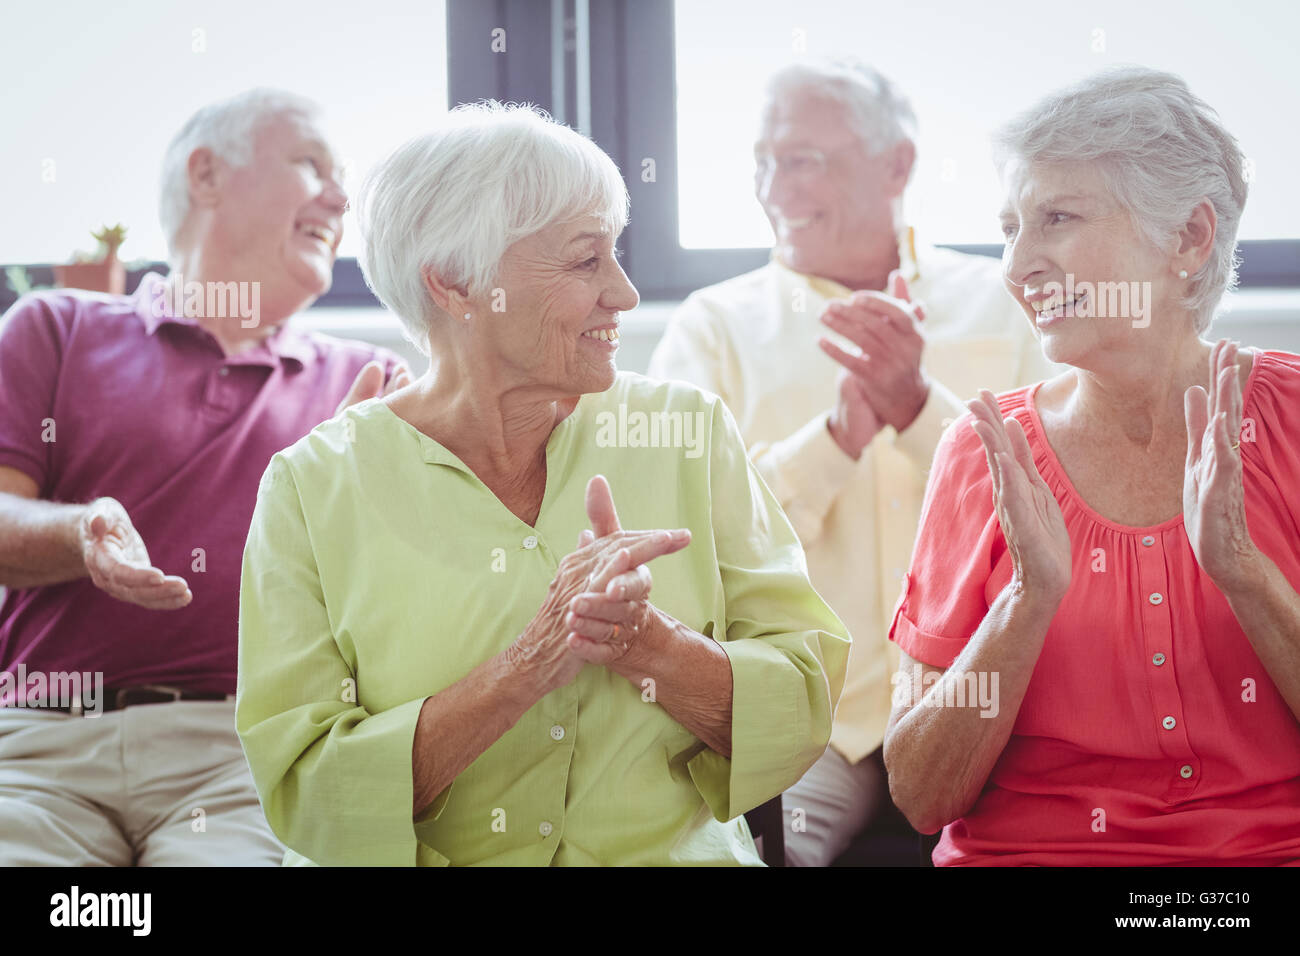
(753, 341)
(379, 570)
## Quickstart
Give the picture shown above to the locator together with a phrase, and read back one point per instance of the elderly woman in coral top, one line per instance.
(1100, 628)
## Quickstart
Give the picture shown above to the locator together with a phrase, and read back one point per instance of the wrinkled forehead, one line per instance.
(1027, 184)
(585, 229)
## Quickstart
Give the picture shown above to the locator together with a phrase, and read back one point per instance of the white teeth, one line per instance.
(1055, 302)
(322, 233)
(797, 223)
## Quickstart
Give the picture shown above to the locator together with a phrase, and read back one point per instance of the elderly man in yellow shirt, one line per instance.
(842, 391)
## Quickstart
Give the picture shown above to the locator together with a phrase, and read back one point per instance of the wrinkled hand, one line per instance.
(611, 618)
(369, 383)
(118, 562)
(1214, 504)
(1027, 510)
(607, 569)
(888, 370)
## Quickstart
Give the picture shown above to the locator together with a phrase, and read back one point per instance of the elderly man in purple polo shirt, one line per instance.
(133, 433)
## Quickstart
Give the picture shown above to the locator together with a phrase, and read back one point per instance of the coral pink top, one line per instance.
(1150, 732)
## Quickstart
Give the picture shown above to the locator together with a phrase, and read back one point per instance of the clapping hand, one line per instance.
(595, 609)
(369, 383)
(1214, 507)
(611, 617)
(1027, 510)
(887, 380)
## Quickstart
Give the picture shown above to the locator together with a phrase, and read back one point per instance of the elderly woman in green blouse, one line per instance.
(448, 649)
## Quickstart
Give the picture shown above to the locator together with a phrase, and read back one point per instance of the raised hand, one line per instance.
(1027, 510)
(118, 561)
(1214, 505)
(369, 383)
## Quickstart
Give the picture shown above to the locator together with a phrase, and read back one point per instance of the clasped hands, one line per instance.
(597, 608)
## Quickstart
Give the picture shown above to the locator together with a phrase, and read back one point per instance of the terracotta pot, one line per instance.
(108, 276)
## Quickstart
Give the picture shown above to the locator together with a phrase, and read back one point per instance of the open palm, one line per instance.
(1214, 508)
(1027, 510)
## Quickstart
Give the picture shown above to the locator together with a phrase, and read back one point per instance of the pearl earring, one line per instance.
(1182, 274)
(467, 314)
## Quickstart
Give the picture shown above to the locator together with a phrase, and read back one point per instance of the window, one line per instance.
(107, 87)
(967, 68)
(680, 84)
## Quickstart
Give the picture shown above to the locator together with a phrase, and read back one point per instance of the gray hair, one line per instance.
(878, 111)
(228, 128)
(1160, 149)
(451, 201)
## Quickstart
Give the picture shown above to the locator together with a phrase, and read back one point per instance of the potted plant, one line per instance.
(98, 273)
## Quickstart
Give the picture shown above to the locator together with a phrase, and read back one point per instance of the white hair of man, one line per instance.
(1160, 149)
(228, 128)
(877, 110)
(453, 200)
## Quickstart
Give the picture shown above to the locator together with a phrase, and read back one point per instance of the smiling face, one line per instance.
(830, 203)
(562, 290)
(1068, 237)
(279, 219)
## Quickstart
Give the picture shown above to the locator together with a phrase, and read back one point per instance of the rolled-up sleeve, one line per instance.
(788, 651)
(31, 348)
(959, 544)
(335, 780)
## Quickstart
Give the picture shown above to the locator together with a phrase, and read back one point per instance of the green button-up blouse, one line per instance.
(379, 571)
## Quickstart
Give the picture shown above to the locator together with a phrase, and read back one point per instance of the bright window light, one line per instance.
(966, 68)
(94, 92)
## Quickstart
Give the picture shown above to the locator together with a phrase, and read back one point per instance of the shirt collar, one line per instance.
(154, 309)
(830, 289)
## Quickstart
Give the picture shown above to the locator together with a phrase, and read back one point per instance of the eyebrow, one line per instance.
(1007, 212)
(1063, 197)
(320, 146)
(587, 237)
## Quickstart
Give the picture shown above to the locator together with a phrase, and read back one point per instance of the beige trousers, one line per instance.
(838, 800)
(151, 785)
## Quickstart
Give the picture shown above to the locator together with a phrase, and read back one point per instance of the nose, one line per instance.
(620, 295)
(774, 186)
(335, 196)
(1023, 259)
(763, 173)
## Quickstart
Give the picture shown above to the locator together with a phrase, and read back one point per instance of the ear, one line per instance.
(204, 172)
(452, 299)
(902, 157)
(1196, 238)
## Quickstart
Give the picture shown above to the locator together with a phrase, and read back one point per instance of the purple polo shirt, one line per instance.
(150, 411)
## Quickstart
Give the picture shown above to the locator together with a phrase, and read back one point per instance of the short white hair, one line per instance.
(1160, 150)
(877, 109)
(228, 128)
(453, 200)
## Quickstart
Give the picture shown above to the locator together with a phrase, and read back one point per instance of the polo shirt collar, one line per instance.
(154, 310)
